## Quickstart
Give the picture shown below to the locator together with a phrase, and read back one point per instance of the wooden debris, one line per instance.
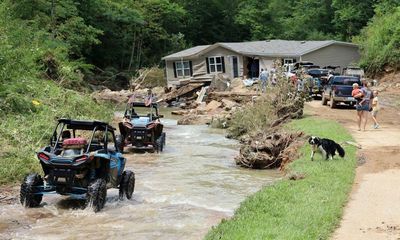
(188, 89)
(202, 93)
(265, 152)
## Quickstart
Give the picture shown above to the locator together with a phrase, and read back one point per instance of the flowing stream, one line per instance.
(179, 194)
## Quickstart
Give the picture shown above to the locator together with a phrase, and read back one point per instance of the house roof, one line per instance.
(273, 48)
(187, 52)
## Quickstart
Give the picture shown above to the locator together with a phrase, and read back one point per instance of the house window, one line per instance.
(288, 60)
(182, 68)
(215, 64)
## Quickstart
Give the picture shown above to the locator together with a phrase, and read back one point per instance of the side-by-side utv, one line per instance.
(141, 128)
(82, 158)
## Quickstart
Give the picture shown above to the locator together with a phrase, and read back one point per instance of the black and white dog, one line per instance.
(327, 147)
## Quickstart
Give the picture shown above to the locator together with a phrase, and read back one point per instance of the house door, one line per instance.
(235, 66)
(253, 67)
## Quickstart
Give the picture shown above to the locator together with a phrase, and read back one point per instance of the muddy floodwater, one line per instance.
(180, 193)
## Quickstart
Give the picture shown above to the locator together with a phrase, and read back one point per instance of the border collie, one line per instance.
(327, 147)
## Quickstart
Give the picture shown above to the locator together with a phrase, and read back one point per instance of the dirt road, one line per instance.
(373, 210)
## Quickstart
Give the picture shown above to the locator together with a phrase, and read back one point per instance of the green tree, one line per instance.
(380, 41)
(287, 19)
(351, 16)
(210, 21)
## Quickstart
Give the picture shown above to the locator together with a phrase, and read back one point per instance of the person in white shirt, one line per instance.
(375, 109)
(264, 79)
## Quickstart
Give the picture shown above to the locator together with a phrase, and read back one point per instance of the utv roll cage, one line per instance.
(68, 124)
(130, 113)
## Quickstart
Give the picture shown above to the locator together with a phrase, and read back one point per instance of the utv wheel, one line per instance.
(164, 138)
(119, 141)
(28, 196)
(159, 144)
(96, 194)
(127, 185)
(324, 100)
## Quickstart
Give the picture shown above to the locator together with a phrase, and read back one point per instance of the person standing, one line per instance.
(273, 76)
(148, 100)
(375, 109)
(358, 94)
(300, 85)
(365, 102)
(264, 79)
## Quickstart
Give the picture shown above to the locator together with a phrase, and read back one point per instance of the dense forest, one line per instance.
(114, 38)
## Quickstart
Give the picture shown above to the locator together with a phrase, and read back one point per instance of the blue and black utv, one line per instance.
(82, 159)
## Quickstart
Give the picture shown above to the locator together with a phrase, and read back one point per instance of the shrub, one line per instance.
(380, 42)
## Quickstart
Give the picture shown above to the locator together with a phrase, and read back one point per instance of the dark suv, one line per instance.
(339, 89)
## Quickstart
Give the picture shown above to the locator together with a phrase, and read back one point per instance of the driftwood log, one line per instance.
(267, 151)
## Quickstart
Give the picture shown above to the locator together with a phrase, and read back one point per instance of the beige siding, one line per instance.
(266, 63)
(227, 58)
(201, 62)
(337, 55)
(171, 80)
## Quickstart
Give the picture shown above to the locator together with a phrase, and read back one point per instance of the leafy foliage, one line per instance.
(351, 16)
(29, 102)
(127, 35)
(380, 40)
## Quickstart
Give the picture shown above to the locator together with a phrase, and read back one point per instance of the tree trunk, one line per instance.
(132, 52)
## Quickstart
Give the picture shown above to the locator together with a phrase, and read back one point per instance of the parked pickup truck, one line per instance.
(339, 90)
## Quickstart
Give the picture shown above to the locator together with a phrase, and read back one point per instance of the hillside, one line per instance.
(34, 75)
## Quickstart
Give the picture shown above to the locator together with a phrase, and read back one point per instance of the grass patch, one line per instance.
(24, 132)
(304, 209)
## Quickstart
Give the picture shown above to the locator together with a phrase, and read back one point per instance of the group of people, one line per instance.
(265, 76)
(367, 101)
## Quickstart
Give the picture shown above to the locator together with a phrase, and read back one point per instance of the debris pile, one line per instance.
(268, 151)
(149, 78)
(123, 95)
(186, 92)
(211, 104)
(220, 82)
(207, 113)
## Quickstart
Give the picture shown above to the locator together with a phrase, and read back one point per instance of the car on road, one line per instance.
(141, 128)
(82, 158)
(338, 90)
